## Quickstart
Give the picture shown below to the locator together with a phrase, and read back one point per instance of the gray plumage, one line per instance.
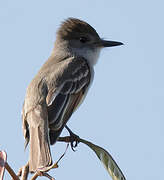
(59, 88)
(50, 100)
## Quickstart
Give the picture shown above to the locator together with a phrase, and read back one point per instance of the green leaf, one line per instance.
(107, 160)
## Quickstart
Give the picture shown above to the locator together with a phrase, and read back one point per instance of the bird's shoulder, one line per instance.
(68, 69)
(57, 76)
(70, 77)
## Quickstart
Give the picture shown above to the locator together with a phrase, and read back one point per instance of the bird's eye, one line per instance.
(83, 39)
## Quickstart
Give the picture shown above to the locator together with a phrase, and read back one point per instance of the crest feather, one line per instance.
(72, 27)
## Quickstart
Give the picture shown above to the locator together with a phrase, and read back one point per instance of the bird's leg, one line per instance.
(73, 138)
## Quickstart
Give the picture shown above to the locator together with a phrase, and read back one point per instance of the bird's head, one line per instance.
(81, 39)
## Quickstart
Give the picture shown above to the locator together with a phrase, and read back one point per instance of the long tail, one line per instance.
(40, 155)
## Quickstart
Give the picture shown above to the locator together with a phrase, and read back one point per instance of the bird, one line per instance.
(59, 87)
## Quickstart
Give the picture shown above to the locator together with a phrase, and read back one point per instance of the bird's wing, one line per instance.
(51, 98)
(69, 92)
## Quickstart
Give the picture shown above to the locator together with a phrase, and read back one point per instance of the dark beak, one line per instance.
(105, 43)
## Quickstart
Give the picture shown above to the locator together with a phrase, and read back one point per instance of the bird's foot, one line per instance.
(74, 139)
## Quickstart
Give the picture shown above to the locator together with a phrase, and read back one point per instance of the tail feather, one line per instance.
(40, 155)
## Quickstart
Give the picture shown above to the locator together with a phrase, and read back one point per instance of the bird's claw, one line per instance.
(74, 141)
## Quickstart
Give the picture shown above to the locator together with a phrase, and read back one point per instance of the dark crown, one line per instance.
(73, 27)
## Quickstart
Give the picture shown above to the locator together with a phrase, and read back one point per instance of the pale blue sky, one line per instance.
(124, 110)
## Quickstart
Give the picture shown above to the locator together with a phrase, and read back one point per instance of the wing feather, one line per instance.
(71, 91)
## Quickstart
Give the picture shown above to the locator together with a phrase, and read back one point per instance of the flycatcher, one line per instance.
(59, 88)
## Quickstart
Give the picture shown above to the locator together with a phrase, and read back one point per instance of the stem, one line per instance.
(11, 172)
